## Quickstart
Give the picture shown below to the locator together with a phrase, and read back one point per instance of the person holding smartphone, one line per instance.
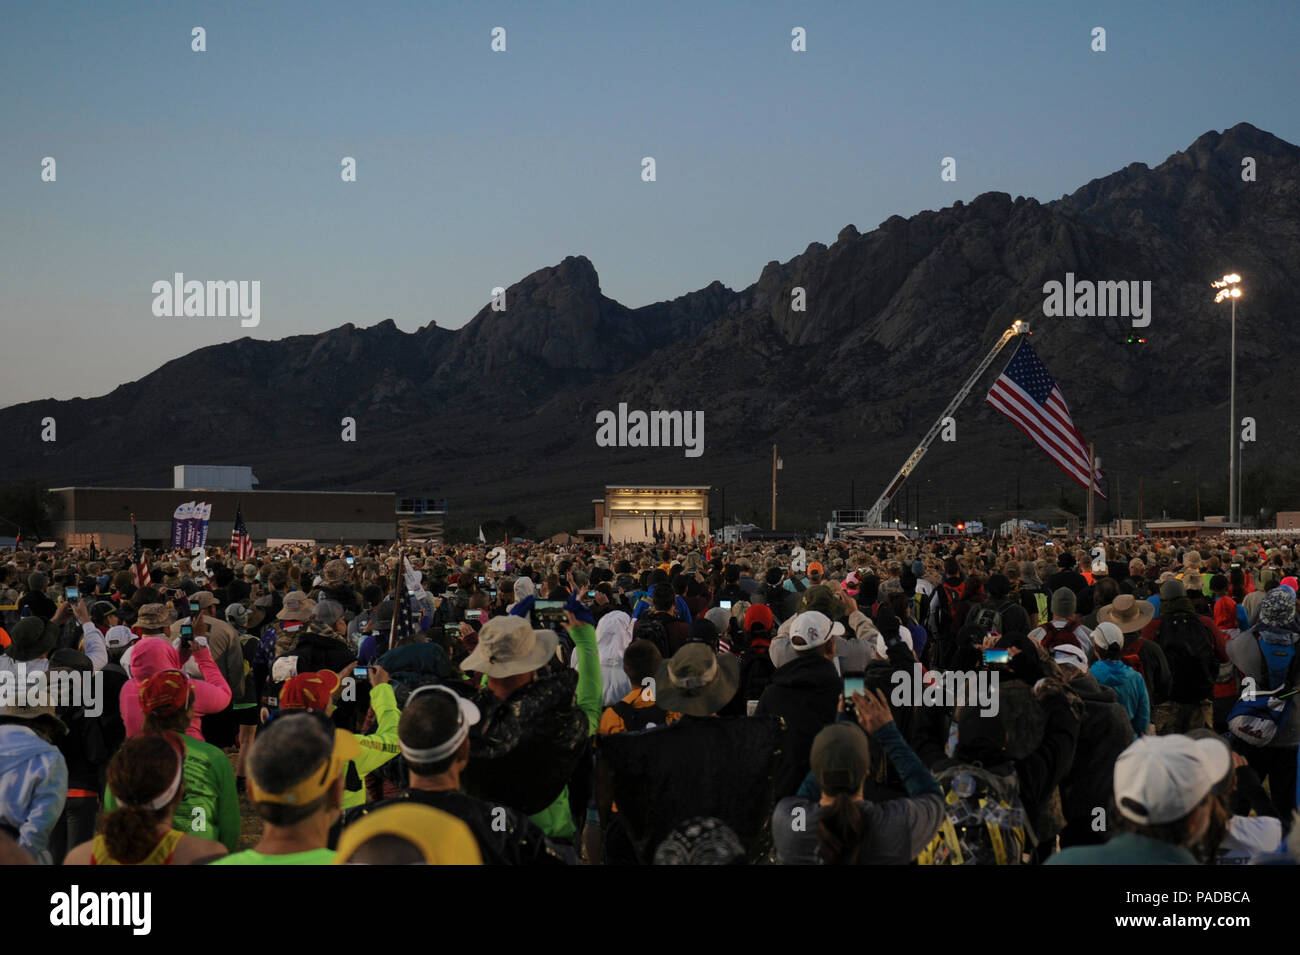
(840, 827)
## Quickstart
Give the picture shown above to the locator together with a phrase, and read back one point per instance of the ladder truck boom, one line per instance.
(877, 511)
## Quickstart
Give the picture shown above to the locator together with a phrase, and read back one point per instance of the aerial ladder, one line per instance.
(875, 514)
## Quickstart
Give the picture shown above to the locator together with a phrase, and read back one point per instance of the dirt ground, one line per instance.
(250, 824)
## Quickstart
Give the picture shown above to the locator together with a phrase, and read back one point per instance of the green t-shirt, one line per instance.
(253, 857)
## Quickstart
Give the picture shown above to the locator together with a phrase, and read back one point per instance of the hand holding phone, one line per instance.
(873, 710)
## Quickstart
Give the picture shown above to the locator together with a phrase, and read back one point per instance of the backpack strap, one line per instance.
(625, 711)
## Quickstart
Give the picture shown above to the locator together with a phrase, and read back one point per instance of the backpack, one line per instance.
(1132, 658)
(1256, 720)
(1189, 648)
(984, 823)
(638, 718)
(756, 669)
(987, 619)
(918, 608)
(1044, 614)
(649, 628)
(949, 597)
(1055, 636)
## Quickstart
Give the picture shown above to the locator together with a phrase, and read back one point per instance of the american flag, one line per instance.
(403, 618)
(241, 542)
(139, 566)
(1027, 394)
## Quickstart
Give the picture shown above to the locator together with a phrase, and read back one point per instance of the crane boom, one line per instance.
(1017, 328)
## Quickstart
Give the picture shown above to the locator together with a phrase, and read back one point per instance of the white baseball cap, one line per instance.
(118, 637)
(1107, 635)
(1160, 779)
(811, 629)
(1067, 654)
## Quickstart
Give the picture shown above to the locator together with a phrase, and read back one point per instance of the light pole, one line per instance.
(1230, 288)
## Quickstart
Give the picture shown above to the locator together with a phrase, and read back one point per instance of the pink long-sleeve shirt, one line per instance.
(155, 654)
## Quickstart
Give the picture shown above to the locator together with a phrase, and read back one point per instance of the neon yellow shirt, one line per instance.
(253, 857)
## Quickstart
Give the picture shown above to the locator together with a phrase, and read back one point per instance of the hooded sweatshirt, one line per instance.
(1129, 687)
(613, 634)
(33, 787)
(153, 655)
(1104, 732)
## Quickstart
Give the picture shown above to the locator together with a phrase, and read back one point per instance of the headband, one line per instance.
(318, 782)
(436, 754)
(167, 795)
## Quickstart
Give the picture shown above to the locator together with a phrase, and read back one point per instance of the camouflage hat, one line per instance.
(335, 571)
(297, 606)
(154, 617)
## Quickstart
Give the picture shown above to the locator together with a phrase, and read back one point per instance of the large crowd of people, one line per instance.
(670, 702)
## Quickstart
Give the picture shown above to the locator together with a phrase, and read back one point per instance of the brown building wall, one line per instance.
(323, 516)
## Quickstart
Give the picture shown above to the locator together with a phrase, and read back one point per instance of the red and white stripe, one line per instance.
(1048, 425)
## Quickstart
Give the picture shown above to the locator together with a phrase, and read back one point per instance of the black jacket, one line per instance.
(524, 748)
(697, 766)
(1104, 732)
(1071, 579)
(322, 651)
(805, 693)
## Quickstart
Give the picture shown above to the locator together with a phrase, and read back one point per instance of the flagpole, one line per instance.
(1092, 483)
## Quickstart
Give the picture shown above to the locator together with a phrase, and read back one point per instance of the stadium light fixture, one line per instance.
(1230, 289)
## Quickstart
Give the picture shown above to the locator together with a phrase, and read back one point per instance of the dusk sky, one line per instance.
(475, 168)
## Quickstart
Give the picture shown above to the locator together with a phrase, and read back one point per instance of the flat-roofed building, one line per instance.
(630, 513)
(103, 514)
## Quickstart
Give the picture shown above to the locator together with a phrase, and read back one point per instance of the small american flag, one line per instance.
(241, 542)
(1027, 394)
(403, 618)
(139, 566)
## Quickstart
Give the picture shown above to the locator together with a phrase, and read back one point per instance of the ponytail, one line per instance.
(142, 773)
(841, 831)
(130, 832)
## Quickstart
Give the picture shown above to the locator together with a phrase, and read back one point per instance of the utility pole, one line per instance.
(1141, 523)
(1241, 450)
(1232, 424)
(776, 466)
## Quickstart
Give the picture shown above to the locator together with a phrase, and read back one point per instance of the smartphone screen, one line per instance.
(853, 683)
(194, 606)
(71, 593)
(724, 604)
(548, 614)
(361, 673)
(997, 657)
(351, 560)
(473, 614)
